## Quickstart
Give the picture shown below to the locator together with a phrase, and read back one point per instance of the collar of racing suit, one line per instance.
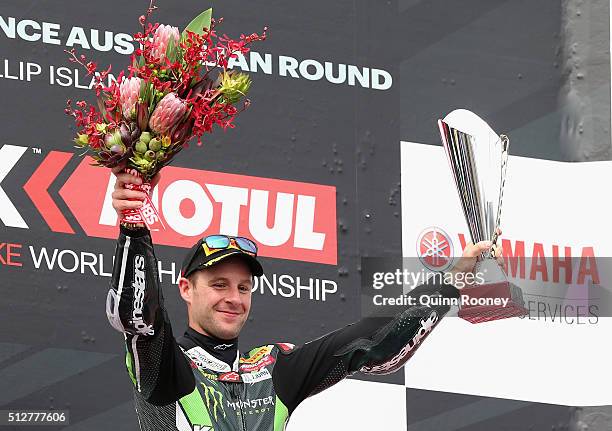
(224, 350)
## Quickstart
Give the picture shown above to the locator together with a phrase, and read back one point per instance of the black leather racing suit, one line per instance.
(184, 385)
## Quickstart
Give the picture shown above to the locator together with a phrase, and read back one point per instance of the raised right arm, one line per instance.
(135, 307)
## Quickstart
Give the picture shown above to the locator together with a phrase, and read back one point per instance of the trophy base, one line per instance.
(486, 313)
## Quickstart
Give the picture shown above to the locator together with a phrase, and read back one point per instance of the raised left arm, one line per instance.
(373, 345)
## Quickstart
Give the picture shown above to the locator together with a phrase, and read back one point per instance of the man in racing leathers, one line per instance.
(201, 381)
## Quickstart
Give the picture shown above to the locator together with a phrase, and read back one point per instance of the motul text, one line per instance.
(289, 220)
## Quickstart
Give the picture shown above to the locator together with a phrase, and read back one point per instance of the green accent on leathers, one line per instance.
(195, 409)
(281, 415)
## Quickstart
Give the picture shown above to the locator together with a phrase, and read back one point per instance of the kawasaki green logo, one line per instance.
(214, 401)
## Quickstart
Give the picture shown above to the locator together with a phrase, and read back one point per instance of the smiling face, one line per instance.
(219, 298)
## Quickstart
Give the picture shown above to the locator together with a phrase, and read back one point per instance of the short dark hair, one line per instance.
(192, 277)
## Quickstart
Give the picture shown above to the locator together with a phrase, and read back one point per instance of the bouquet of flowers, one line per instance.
(177, 87)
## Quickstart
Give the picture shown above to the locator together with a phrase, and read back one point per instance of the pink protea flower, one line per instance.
(161, 39)
(128, 95)
(168, 112)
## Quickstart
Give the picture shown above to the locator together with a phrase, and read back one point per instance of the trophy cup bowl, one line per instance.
(478, 159)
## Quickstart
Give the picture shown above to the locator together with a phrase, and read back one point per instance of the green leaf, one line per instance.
(172, 49)
(146, 93)
(142, 95)
(199, 22)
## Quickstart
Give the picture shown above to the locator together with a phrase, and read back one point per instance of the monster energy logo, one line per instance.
(214, 400)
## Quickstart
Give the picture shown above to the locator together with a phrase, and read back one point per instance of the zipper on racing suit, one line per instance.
(236, 394)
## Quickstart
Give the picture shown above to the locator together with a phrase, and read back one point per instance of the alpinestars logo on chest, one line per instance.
(222, 346)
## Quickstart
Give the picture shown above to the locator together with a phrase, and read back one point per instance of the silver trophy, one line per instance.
(478, 158)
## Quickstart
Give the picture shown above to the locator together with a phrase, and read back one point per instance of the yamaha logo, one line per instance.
(435, 249)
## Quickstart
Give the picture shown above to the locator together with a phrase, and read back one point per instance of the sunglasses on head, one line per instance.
(221, 242)
(213, 243)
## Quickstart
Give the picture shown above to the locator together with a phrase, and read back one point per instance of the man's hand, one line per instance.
(124, 199)
(467, 261)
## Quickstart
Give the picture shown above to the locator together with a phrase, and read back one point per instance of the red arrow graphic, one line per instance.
(39, 182)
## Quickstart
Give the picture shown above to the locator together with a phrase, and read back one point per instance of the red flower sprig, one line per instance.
(177, 87)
